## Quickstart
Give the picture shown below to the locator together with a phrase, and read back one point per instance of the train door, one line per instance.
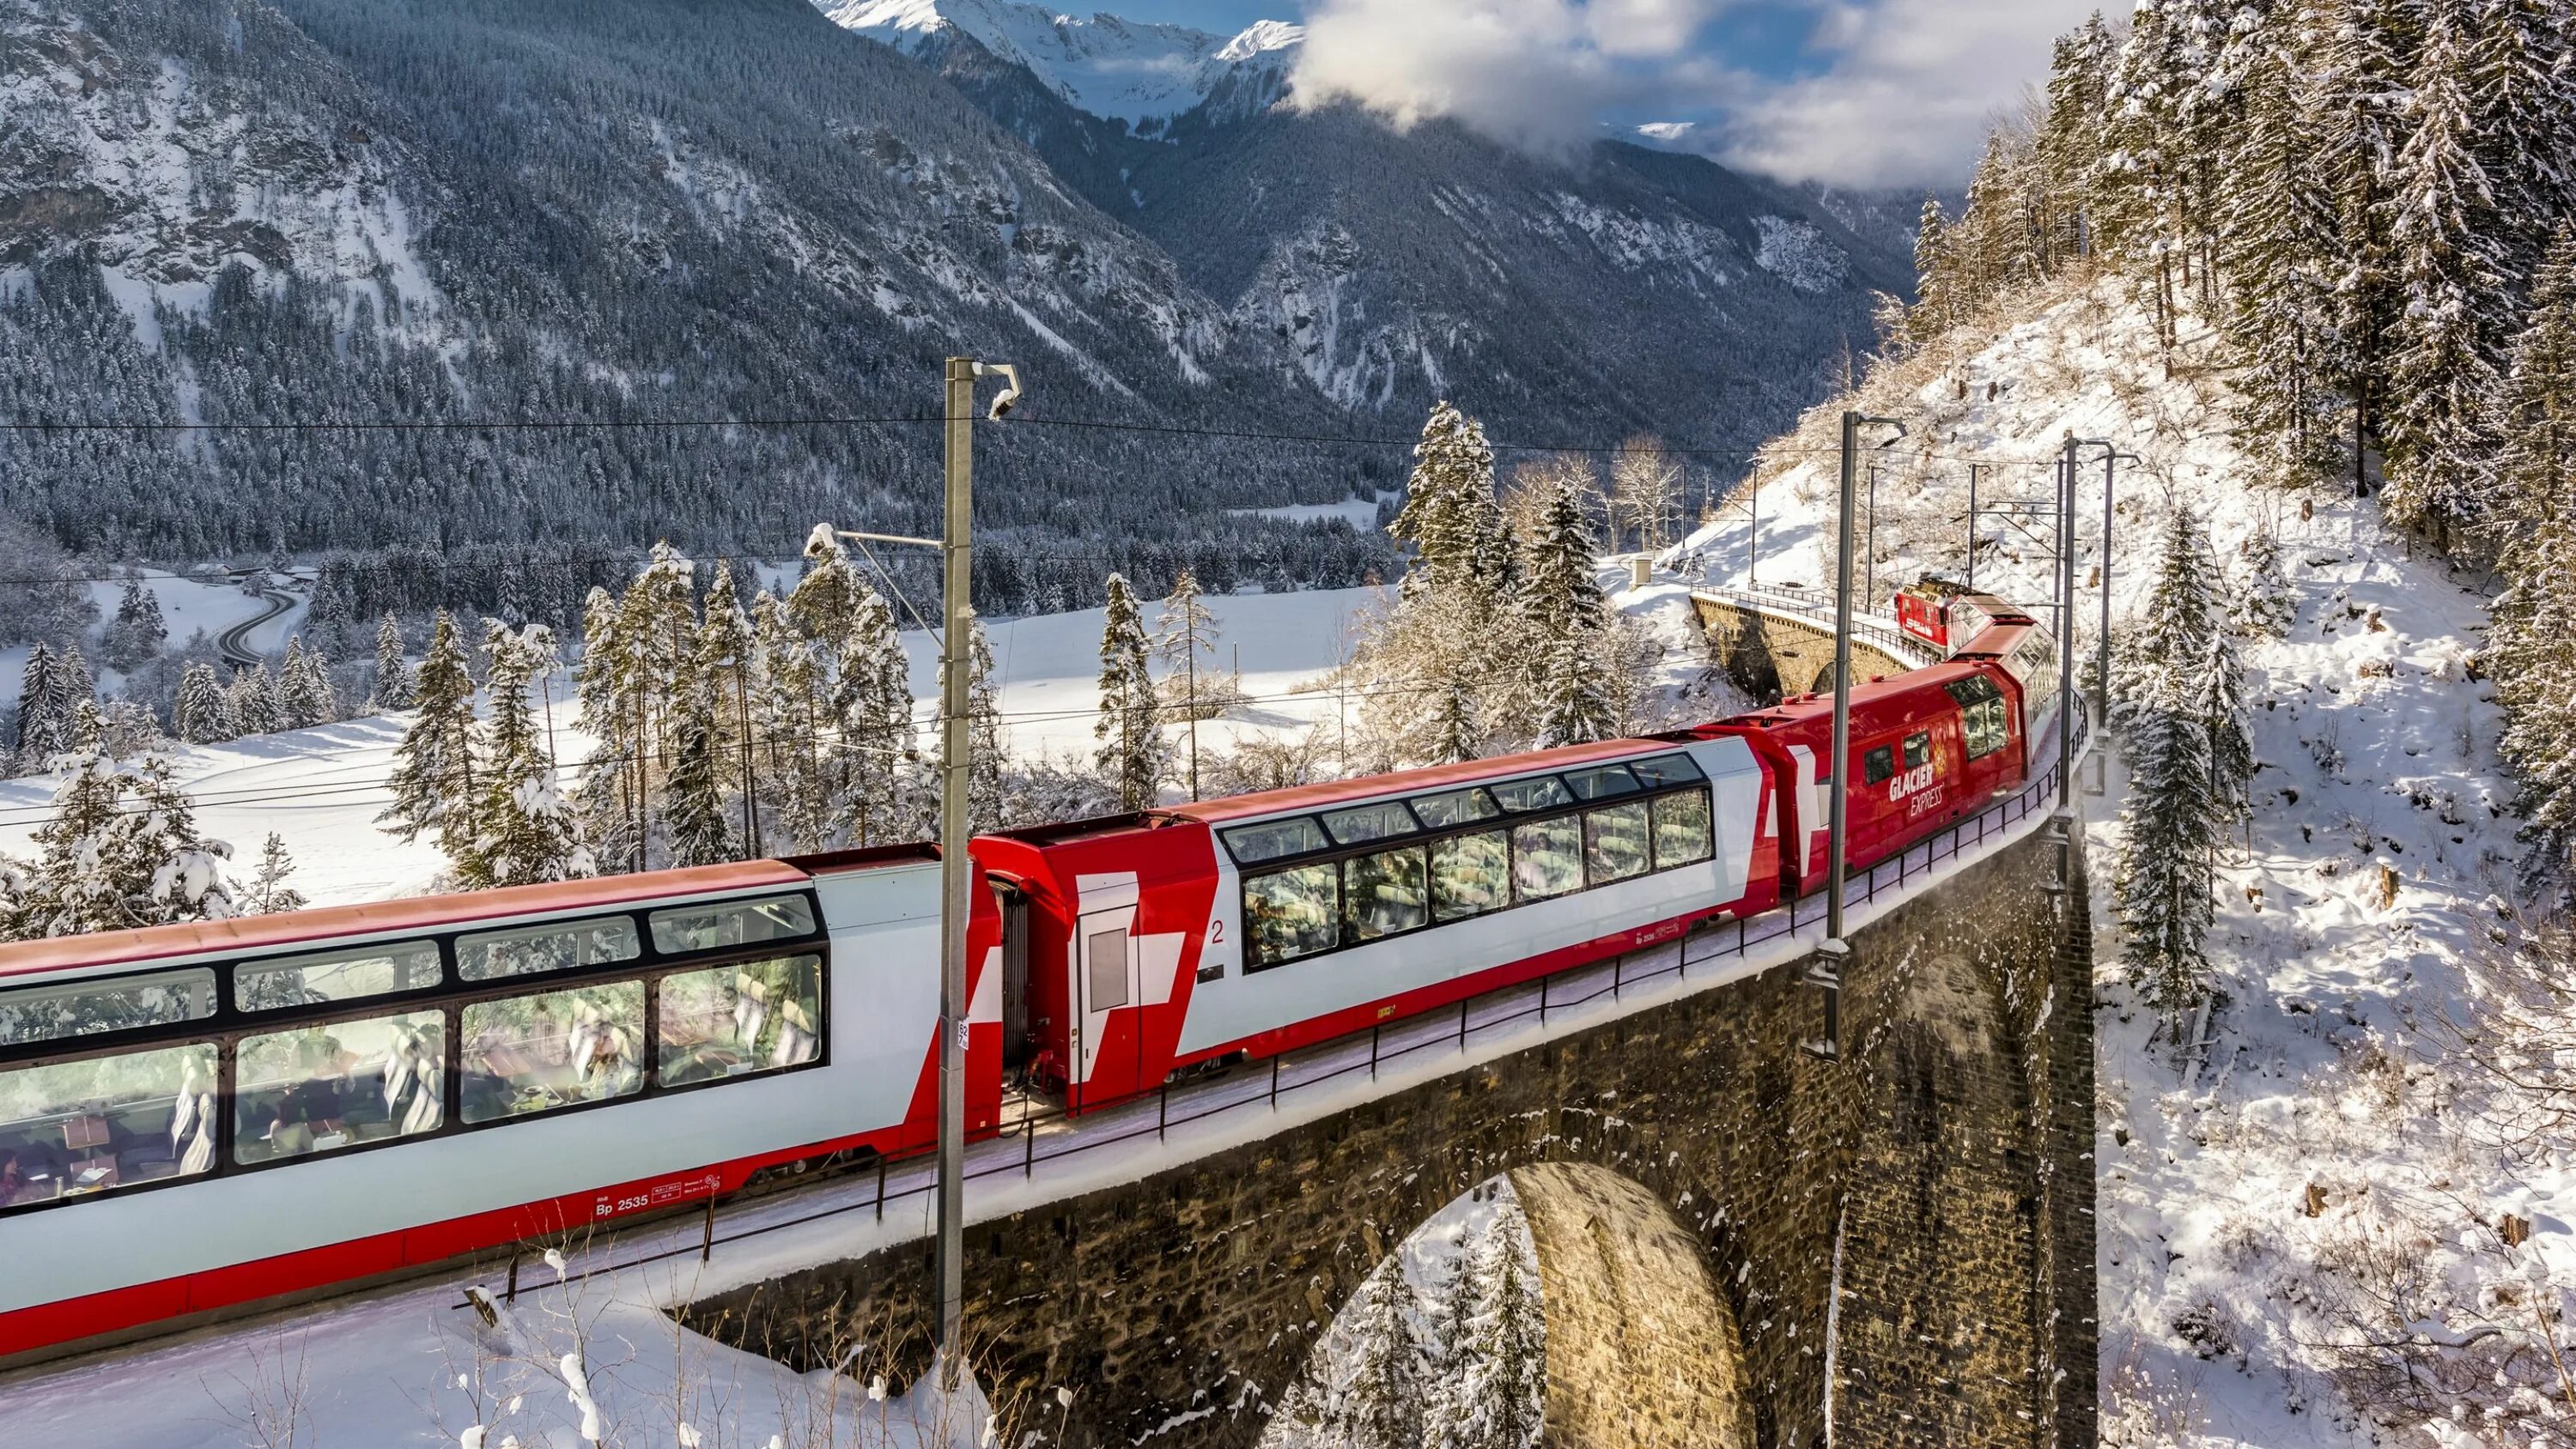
(1105, 984)
(1019, 1044)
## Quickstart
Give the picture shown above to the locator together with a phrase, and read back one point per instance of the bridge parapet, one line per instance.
(1771, 643)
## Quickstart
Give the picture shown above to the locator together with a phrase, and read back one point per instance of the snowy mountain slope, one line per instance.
(2232, 1299)
(167, 165)
(1141, 75)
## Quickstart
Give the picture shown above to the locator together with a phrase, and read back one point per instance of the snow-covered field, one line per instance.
(2242, 1182)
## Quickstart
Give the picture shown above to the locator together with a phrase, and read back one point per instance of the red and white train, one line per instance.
(196, 1119)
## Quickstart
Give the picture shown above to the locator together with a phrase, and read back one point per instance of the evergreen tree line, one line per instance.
(1462, 1365)
(1500, 637)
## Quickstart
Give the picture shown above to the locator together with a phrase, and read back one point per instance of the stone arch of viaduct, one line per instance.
(1769, 653)
(1939, 1170)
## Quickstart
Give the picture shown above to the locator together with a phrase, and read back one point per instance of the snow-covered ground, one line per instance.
(2223, 1289)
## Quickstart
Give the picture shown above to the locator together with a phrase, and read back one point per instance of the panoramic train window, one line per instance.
(323, 1087)
(733, 1021)
(1522, 796)
(1470, 875)
(1274, 839)
(1981, 715)
(1601, 782)
(554, 946)
(527, 1054)
(1363, 823)
(1878, 766)
(1666, 770)
(1547, 858)
(1614, 842)
(1681, 829)
(72, 1129)
(1457, 807)
(1383, 894)
(83, 1008)
(731, 923)
(328, 976)
(1292, 913)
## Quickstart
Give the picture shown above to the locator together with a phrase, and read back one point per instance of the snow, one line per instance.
(1118, 70)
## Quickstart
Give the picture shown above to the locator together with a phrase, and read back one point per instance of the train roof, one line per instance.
(416, 913)
(1407, 782)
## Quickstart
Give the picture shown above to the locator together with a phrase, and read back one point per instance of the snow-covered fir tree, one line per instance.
(1185, 636)
(987, 766)
(305, 695)
(120, 850)
(1375, 1399)
(1450, 518)
(267, 894)
(1132, 755)
(135, 636)
(44, 711)
(254, 702)
(701, 830)
(1572, 695)
(2262, 604)
(2281, 219)
(787, 716)
(2449, 264)
(433, 779)
(1491, 1390)
(2534, 643)
(201, 715)
(517, 829)
(2179, 801)
(884, 794)
(393, 673)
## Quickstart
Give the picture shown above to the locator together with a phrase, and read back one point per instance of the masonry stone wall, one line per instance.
(1769, 656)
(1938, 1168)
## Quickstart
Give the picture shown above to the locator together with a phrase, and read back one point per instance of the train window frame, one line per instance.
(1596, 784)
(1918, 749)
(206, 976)
(1878, 764)
(225, 1031)
(1478, 795)
(1390, 812)
(1564, 798)
(463, 941)
(745, 904)
(1238, 840)
(1667, 772)
(1984, 724)
(240, 974)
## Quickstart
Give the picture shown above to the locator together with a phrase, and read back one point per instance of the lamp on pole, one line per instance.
(957, 871)
(1826, 971)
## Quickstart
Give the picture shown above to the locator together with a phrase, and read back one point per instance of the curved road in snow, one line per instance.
(234, 643)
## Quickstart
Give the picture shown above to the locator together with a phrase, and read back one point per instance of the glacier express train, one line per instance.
(197, 1119)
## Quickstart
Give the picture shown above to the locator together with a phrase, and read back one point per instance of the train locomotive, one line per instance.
(198, 1120)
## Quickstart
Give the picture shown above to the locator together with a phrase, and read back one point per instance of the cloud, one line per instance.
(1529, 72)
(1886, 92)
(1906, 95)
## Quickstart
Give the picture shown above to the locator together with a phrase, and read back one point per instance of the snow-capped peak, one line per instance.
(1116, 69)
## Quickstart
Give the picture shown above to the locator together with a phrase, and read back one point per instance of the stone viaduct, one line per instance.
(1769, 652)
(1698, 1185)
